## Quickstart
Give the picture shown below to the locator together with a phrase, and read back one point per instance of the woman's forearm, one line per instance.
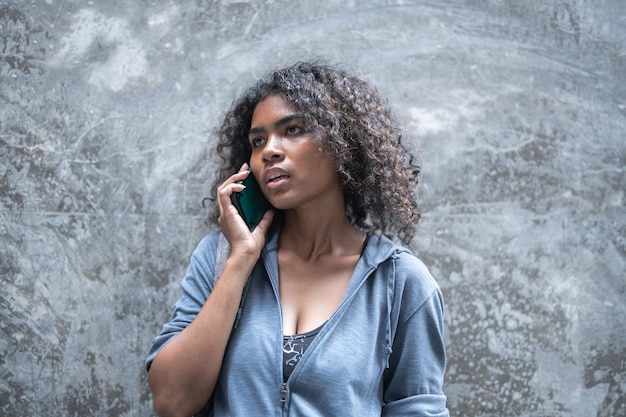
(184, 373)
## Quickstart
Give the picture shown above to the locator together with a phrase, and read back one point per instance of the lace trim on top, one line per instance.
(294, 347)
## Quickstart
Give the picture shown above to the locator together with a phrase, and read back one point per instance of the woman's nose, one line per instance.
(273, 148)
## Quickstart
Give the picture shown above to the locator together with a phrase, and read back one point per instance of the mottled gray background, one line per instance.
(517, 107)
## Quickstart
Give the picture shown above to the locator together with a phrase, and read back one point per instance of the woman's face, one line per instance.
(286, 157)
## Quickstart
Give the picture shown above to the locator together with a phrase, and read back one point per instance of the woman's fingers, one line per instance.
(231, 185)
(232, 224)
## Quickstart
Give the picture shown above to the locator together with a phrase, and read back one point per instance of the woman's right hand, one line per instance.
(242, 241)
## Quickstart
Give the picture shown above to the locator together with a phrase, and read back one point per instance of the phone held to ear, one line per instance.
(250, 202)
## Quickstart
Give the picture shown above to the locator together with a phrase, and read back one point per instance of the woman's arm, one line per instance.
(413, 382)
(184, 372)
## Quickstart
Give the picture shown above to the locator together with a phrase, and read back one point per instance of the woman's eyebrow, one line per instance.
(288, 119)
(278, 123)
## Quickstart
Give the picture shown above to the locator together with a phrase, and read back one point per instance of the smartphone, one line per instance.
(250, 202)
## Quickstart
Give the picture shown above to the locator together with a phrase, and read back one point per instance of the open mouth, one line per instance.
(277, 177)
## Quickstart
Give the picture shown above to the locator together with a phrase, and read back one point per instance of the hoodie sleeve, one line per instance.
(196, 287)
(414, 379)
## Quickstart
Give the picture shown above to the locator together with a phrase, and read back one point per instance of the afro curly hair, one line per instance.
(358, 132)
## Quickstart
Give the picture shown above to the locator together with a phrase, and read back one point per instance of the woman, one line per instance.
(315, 312)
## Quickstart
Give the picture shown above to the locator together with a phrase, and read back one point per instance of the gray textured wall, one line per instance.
(518, 109)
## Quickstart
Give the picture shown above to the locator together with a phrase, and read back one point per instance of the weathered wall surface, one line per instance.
(518, 109)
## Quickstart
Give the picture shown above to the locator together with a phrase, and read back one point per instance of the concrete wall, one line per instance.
(518, 109)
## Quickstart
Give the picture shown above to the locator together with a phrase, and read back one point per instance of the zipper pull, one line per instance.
(283, 393)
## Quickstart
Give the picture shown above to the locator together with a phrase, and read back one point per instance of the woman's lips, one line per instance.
(273, 174)
(275, 177)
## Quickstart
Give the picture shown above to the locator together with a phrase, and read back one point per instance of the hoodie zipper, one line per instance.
(368, 272)
(273, 279)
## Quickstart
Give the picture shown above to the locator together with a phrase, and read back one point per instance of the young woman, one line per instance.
(316, 312)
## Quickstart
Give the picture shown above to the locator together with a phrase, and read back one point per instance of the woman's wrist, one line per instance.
(242, 262)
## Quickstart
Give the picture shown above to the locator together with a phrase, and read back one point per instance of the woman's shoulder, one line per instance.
(415, 275)
(205, 250)
(208, 243)
(410, 272)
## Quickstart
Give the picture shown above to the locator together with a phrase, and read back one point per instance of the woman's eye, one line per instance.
(256, 142)
(294, 130)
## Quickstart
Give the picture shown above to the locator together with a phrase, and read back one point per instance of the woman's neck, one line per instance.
(314, 233)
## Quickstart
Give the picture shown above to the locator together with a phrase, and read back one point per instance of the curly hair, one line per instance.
(358, 132)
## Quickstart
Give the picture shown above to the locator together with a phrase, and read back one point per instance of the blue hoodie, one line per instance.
(380, 353)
